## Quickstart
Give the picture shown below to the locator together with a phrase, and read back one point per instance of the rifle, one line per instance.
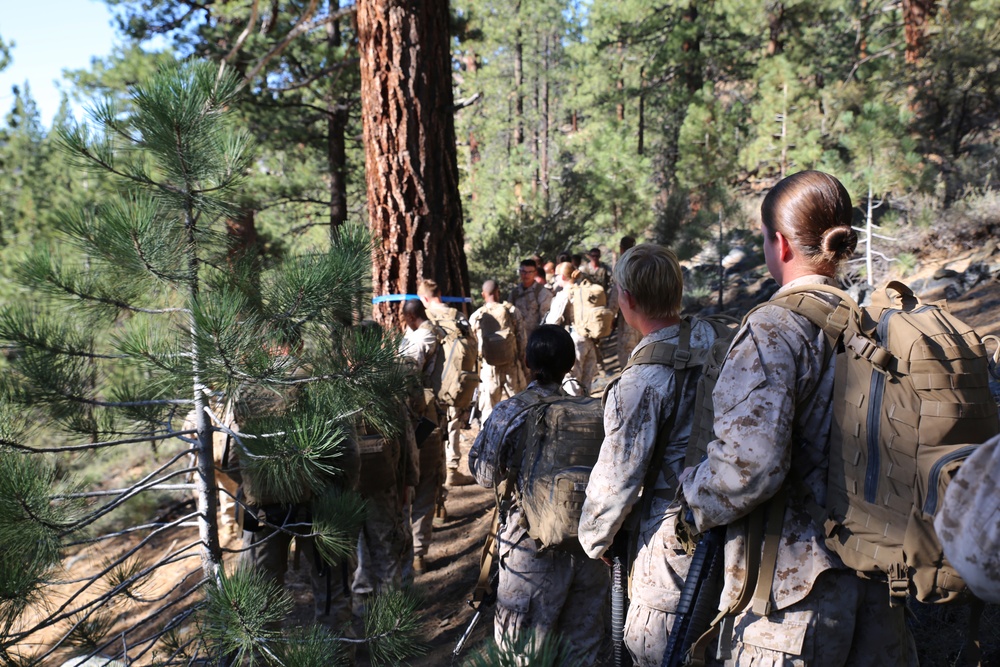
(487, 601)
(474, 410)
(620, 552)
(485, 592)
(699, 599)
(619, 605)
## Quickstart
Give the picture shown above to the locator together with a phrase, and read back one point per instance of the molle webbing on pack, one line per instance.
(455, 374)
(560, 441)
(499, 340)
(911, 402)
(591, 316)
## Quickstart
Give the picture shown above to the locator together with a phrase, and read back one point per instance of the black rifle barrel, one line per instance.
(699, 598)
(617, 610)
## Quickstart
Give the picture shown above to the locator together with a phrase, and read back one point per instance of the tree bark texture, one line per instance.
(916, 14)
(336, 145)
(411, 164)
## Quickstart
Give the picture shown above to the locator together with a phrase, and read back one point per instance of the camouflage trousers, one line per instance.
(585, 368)
(496, 385)
(384, 546)
(427, 492)
(844, 622)
(267, 550)
(659, 569)
(555, 593)
(452, 452)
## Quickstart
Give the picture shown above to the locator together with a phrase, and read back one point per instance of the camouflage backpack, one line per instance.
(591, 316)
(559, 445)
(499, 342)
(455, 374)
(911, 403)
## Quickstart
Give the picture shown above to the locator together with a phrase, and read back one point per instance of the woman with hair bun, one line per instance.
(773, 417)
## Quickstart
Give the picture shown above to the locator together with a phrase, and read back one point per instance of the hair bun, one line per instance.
(838, 243)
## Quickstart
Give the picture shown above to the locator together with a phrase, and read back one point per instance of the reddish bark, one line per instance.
(916, 14)
(411, 170)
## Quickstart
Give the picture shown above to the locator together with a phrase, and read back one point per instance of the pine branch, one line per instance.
(94, 445)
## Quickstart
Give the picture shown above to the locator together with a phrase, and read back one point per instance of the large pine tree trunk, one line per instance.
(411, 165)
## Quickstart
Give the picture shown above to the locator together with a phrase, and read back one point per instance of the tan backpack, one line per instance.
(455, 373)
(499, 342)
(911, 403)
(559, 445)
(591, 316)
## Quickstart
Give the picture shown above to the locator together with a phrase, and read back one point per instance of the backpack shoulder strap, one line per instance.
(831, 318)
(533, 399)
(679, 356)
(835, 320)
(666, 354)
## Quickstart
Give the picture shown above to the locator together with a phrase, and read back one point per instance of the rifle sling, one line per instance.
(490, 549)
(761, 603)
(753, 525)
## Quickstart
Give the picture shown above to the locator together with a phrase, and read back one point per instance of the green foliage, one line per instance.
(784, 121)
(337, 520)
(392, 628)
(242, 615)
(550, 652)
(31, 526)
(314, 646)
(291, 457)
(145, 309)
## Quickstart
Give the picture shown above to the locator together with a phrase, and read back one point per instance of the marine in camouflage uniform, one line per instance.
(561, 313)
(599, 275)
(498, 383)
(548, 593)
(385, 546)
(269, 525)
(533, 302)
(773, 415)
(638, 408)
(421, 345)
(438, 314)
(968, 523)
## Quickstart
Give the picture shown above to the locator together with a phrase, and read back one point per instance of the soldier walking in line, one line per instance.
(446, 318)
(389, 469)
(531, 299)
(562, 313)
(498, 326)
(270, 523)
(595, 270)
(773, 413)
(628, 336)
(548, 592)
(420, 343)
(649, 404)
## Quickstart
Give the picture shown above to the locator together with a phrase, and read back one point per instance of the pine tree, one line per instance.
(142, 315)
